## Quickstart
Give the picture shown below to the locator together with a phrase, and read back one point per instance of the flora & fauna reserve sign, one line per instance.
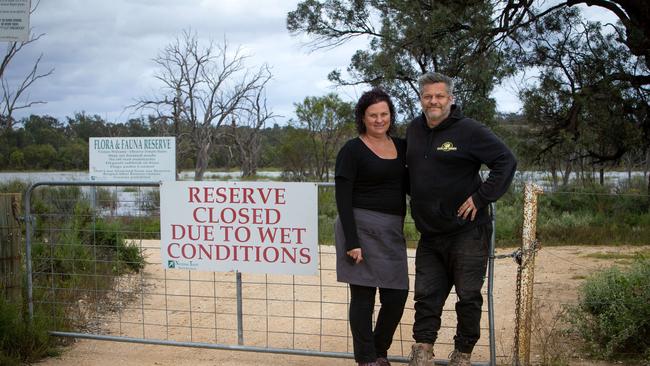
(132, 159)
(259, 227)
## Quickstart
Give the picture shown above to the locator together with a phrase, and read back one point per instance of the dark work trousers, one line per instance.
(441, 263)
(369, 344)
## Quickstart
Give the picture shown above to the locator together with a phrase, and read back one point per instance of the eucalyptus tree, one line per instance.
(581, 108)
(322, 124)
(634, 17)
(407, 38)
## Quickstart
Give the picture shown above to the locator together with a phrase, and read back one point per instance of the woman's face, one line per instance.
(377, 119)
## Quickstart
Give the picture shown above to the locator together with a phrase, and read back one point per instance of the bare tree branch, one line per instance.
(201, 88)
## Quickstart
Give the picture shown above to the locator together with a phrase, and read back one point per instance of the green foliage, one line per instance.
(613, 315)
(16, 159)
(308, 152)
(578, 215)
(39, 156)
(580, 108)
(76, 251)
(407, 38)
(21, 341)
(44, 143)
(326, 215)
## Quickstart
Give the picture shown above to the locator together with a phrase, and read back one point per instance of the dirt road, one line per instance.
(559, 272)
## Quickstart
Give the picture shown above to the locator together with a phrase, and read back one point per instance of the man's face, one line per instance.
(436, 103)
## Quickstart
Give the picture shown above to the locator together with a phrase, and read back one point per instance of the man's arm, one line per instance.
(492, 152)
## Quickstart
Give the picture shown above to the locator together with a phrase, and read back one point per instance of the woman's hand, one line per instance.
(356, 255)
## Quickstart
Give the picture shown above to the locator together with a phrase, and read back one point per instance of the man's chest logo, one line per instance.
(446, 147)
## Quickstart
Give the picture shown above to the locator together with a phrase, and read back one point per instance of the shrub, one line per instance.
(20, 340)
(613, 315)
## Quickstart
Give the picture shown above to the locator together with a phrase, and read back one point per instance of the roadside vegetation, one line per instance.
(612, 318)
(77, 257)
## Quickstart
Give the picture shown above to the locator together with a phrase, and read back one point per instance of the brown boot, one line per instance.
(382, 361)
(458, 358)
(421, 354)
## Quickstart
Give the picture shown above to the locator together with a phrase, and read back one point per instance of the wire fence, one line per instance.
(96, 271)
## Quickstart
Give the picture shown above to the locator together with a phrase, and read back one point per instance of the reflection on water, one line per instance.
(116, 200)
(31, 177)
(142, 201)
(541, 178)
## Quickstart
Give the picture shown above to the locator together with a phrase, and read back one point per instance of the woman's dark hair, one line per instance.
(372, 96)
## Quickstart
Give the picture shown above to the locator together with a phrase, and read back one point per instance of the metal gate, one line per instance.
(93, 263)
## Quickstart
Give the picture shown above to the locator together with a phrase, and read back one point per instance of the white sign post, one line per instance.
(132, 159)
(259, 227)
(14, 20)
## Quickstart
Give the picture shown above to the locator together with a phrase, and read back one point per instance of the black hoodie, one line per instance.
(444, 164)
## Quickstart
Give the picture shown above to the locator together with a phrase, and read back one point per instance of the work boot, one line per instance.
(458, 358)
(421, 354)
(382, 361)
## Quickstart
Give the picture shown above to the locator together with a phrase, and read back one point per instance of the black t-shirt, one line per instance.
(364, 180)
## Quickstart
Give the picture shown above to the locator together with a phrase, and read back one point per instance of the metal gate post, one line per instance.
(491, 258)
(240, 312)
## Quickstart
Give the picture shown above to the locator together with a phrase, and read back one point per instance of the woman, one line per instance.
(370, 246)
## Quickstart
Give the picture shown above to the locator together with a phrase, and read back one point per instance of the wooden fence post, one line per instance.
(526, 277)
(10, 248)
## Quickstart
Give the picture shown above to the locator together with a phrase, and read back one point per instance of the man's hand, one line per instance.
(356, 255)
(467, 209)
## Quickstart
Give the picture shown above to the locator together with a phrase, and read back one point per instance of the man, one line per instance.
(449, 204)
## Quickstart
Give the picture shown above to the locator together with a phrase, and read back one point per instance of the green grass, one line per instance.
(579, 216)
(22, 341)
(74, 251)
(575, 216)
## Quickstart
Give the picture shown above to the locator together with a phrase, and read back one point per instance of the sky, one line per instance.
(102, 53)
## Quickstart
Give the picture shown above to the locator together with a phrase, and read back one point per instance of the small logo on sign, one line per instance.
(447, 146)
(171, 264)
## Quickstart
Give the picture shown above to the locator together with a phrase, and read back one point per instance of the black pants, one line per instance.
(440, 263)
(369, 344)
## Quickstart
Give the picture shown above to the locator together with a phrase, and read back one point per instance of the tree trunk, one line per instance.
(553, 170)
(601, 176)
(10, 249)
(647, 164)
(567, 174)
(248, 168)
(202, 158)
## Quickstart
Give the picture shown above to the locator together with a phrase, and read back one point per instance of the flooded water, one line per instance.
(541, 178)
(129, 201)
(31, 177)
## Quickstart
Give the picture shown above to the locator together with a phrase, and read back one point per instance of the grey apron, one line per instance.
(383, 247)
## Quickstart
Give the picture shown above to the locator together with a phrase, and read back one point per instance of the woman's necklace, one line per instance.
(380, 147)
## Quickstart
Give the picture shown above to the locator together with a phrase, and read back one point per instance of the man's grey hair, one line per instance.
(436, 77)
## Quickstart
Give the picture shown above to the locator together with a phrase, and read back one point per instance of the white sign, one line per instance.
(14, 20)
(132, 159)
(259, 227)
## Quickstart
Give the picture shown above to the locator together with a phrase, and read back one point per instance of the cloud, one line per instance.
(102, 52)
